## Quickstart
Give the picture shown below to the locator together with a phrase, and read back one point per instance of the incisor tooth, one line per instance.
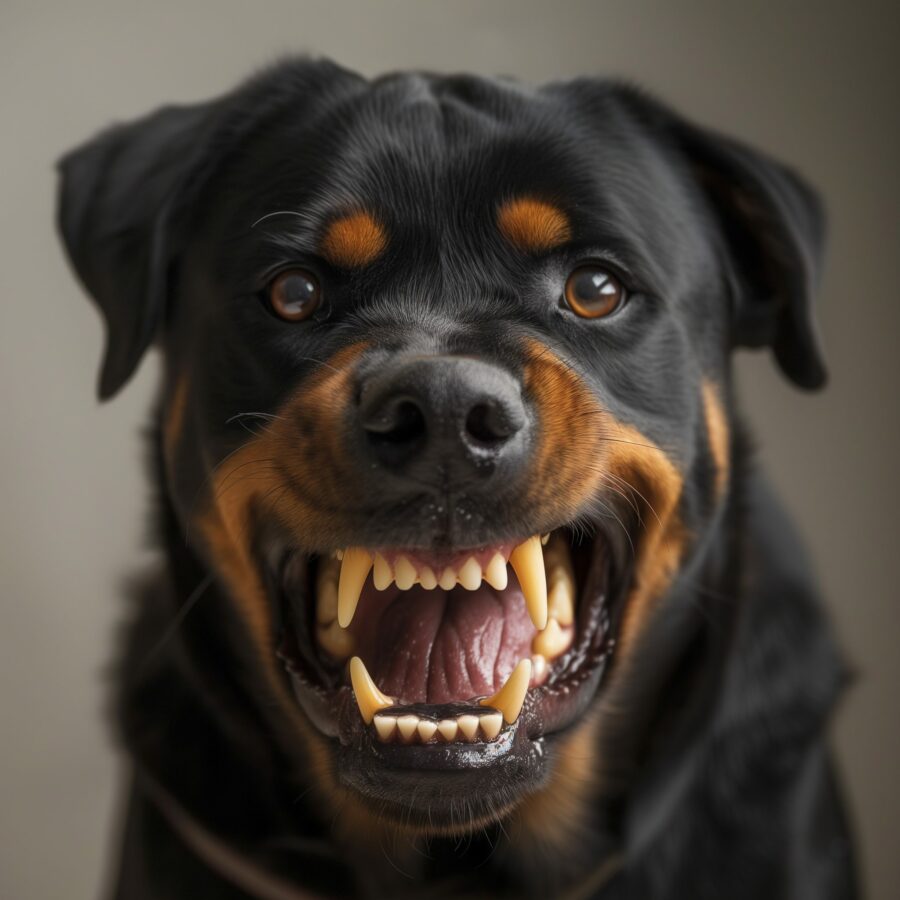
(448, 729)
(404, 573)
(355, 569)
(369, 699)
(527, 561)
(448, 579)
(427, 728)
(470, 575)
(428, 579)
(385, 726)
(468, 725)
(511, 696)
(491, 725)
(407, 725)
(338, 642)
(382, 576)
(551, 641)
(495, 574)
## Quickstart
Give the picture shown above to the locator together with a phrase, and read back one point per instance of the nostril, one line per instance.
(488, 424)
(398, 422)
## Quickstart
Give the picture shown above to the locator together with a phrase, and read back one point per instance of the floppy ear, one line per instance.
(117, 197)
(774, 226)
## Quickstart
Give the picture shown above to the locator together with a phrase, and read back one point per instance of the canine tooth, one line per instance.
(527, 561)
(355, 569)
(428, 579)
(491, 725)
(382, 576)
(404, 573)
(468, 725)
(427, 728)
(448, 579)
(385, 726)
(511, 696)
(326, 602)
(495, 574)
(560, 603)
(551, 641)
(470, 574)
(538, 668)
(338, 642)
(369, 699)
(448, 729)
(407, 726)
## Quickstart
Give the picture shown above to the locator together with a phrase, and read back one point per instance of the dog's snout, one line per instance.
(443, 419)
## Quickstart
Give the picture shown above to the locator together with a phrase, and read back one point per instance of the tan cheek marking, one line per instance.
(246, 484)
(533, 225)
(173, 420)
(353, 240)
(719, 438)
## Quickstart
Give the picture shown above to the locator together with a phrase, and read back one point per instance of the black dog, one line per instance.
(471, 588)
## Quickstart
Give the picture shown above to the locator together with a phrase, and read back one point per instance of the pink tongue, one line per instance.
(438, 646)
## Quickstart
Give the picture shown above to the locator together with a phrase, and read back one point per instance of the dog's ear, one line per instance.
(117, 198)
(774, 226)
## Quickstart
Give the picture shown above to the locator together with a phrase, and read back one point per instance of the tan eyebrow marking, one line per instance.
(353, 240)
(533, 225)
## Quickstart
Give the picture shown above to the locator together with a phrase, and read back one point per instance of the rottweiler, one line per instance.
(470, 585)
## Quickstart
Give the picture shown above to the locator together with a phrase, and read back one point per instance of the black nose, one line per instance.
(444, 420)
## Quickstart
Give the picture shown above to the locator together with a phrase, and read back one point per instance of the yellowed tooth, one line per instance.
(551, 641)
(491, 725)
(382, 576)
(527, 561)
(538, 668)
(385, 726)
(470, 575)
(448, 579)
(544, 539)
(426, 729)
(355, 568)
(407, 726)
(495, 574)
(511, 696)
(468, 725)
(404, 573)
(427, 578)
(334, 639)
(447, 729)
(560, 603)
(369, 699)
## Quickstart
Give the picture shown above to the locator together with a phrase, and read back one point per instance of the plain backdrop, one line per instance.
(815, 84)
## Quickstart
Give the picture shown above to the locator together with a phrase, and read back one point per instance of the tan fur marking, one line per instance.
(353, 240)
(173, 420)
(719, 438)
(533, 225)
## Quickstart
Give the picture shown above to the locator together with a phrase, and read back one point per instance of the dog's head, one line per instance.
(446, 405)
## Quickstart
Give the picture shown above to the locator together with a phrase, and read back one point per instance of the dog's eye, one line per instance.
(295, 295)
(593, 292)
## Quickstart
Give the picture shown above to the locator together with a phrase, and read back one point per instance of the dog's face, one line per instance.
(446, 407)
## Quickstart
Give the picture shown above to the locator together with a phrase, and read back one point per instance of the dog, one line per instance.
(471, 585)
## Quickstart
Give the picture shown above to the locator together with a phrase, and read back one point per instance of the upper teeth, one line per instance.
(527, 561)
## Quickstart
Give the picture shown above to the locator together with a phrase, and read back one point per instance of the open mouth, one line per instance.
(448, 661)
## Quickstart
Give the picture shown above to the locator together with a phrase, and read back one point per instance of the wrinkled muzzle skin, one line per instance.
(443, 401)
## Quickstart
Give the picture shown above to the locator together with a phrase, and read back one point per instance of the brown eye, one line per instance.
(593, 292)
(295, 295)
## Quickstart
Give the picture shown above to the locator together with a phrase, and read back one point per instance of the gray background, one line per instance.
(815, 84)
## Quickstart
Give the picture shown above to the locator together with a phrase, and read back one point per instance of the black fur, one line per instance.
(717, 782)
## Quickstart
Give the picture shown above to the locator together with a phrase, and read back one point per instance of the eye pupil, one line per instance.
(295, 295)
(593, 292)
